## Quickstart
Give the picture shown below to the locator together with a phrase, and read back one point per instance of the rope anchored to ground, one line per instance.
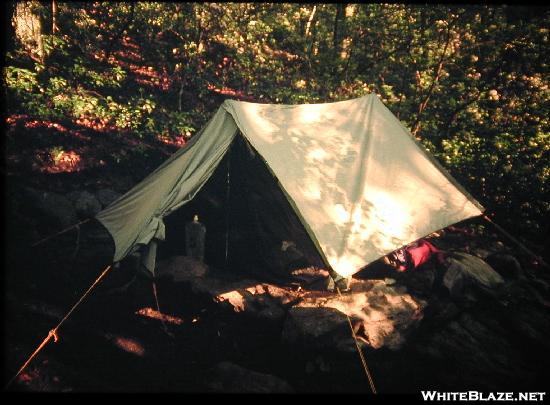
(60, 232)
(361, 355)
(53, 332)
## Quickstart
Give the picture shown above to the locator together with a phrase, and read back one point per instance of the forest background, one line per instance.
(112, 88)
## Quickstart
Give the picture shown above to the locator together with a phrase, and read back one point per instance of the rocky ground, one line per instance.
(479, 322)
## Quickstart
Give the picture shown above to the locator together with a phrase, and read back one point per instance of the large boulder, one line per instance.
(315, 328)
(232, 378)
(106, 196)
(420, 280)
(382, 315)
(52, 206)
(259, 300)
(247, 296)
(506, 265)
(309, 275)
(466, 271)
(85, 203)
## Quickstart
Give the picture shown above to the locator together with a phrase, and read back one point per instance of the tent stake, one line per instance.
(521, 245)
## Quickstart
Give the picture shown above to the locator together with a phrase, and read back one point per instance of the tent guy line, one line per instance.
(53, 332)
(358, 347)
(521, 245)
(60, 232)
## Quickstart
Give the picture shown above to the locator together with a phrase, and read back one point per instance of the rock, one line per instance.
(86, 205)
(26, 230)
(441, 310)
(316, 328)
(73, 196)
(455, 281)
(506, 265)
(480, 252)
(261, 300)
(272, 312)
(309, 275)
(524, 291)
(123, 183)
(389, 281)
(106, 196)
(421, 280)
(382, 316)
(53, 206)
(232, 378)
(465, 271)
(319, 363)
(490, 347)
(181, 268)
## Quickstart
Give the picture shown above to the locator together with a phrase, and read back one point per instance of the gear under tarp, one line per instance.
(357, 180)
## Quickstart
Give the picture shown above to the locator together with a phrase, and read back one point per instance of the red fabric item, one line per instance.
(421, 252)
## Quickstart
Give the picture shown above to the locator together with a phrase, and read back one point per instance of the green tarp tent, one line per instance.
(355, 183)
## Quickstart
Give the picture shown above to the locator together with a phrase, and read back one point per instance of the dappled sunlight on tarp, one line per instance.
(357, 178)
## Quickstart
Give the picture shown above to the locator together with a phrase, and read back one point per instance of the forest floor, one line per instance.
(114, 342)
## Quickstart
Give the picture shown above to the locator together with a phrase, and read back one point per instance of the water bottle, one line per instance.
(195, 233)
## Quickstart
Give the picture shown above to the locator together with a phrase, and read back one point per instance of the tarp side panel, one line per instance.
(406, 195)
(354, 175)
(136, 217)
(436, 163)
(267, 238)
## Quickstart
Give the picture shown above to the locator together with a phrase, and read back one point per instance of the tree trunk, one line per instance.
(55, 28)
(337, 31)
(180, 96)
(310, 20)
(9, 18)
(28, 28)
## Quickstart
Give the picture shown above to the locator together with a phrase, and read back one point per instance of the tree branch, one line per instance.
(424, 103)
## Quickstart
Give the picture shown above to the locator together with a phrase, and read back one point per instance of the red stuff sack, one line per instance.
(416, 254)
